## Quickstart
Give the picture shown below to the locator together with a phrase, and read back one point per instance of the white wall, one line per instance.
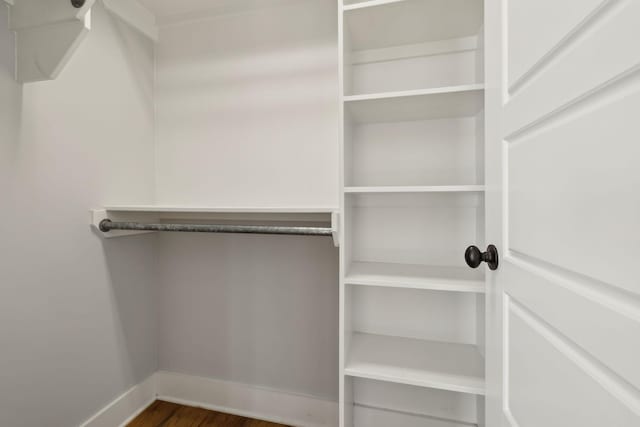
(247, 116)
(77, 315)
(247, 108)
(260, 310)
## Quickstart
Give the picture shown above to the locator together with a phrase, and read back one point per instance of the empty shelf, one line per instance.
(381, 417)
(196, 213)
(455, 279)
(444, 366)
(417, 189)
(203, 209)
(423, 104)
(385, 23)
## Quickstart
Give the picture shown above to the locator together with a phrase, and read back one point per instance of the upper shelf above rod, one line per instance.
(48, 32)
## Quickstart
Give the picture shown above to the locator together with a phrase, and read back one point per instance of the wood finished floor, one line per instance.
(165, 414)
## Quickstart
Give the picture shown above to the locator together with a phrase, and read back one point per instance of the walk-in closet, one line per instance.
(319, 213)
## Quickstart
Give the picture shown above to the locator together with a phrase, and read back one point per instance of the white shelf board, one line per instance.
(385, 23)
(380, 417)
(205, 209)
(416, 189)
(362, 4)
(444, 366)
(411, 105)
(454, 279)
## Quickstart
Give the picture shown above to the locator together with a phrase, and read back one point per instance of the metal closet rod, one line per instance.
(108, 225)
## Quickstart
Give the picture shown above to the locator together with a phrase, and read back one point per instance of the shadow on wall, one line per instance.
(130, 263)
(251, 309)
(137, 52)
(77, 313)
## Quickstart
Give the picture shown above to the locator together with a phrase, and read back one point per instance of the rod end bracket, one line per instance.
(100, 219)
(335, 228)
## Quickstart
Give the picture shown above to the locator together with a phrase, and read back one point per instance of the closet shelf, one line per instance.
(439, 278)
(48, 32)
(410, 21)
(370, 3)
(296, 216)
(218, 210)
(438, 365)
(416, 189)
(411, 105)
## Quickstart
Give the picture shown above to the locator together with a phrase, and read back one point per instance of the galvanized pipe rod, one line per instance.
(108, 225)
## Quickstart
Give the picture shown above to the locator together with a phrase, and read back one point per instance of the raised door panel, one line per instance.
(601, 55)
(596, 319)
(554, 384)
(537, 27)
(573, 190)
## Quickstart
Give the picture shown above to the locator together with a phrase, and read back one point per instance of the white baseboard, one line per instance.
(126, 407)
(246, 400)
(224, 396)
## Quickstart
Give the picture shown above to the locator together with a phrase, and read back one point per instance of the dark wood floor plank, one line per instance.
(156, 414)
(218, 419)
(165, 414)
(258, 423)
(187, 416)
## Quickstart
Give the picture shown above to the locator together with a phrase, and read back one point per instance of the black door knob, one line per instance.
(474, 257)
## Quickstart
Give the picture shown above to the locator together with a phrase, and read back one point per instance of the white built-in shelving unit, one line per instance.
(412, 200)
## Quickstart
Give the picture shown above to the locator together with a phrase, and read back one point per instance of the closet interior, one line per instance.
(356, 126)
(320, 213)
(412, 138)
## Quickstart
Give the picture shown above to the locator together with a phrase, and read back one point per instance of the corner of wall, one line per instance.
(228, 397)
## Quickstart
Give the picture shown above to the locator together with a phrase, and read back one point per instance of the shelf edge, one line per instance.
(473, 87)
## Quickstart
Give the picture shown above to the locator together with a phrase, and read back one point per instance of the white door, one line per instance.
(563, 208)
